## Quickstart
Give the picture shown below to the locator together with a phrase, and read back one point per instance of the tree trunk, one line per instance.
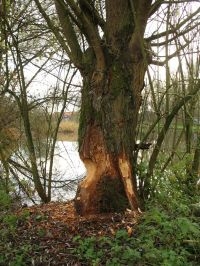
(110, 105)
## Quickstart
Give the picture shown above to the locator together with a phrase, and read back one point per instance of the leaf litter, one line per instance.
(50, 229)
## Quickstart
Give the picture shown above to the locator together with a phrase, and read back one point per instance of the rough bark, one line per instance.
(110, 105)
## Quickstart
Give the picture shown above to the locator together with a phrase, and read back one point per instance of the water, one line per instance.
(67, 167)
(68, 170)
(67, 160)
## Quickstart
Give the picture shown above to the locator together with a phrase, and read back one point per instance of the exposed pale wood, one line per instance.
(126, 176)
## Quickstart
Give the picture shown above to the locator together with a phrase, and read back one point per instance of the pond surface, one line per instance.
(68, 167)
(68, 170)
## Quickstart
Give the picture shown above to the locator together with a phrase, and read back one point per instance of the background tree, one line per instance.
(173, 100)
(27, 57)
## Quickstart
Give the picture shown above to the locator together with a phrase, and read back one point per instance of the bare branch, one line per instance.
(155, 7)
(69, 32)
(178, 27)
(159, 63)
(91, 33)
(53, 28)
(178, 34)
(93, 12)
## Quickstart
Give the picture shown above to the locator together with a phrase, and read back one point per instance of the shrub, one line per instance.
(11, 253)
(5, 200)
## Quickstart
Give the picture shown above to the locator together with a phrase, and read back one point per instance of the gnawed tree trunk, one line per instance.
(111, 100)
(107, 139)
